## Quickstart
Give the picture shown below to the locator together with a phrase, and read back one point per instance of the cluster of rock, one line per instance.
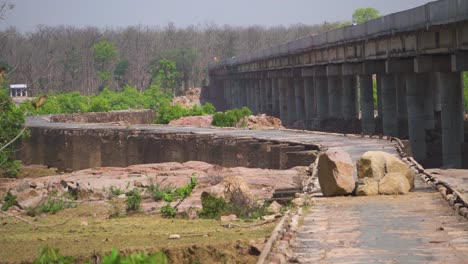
(378, 173)
(255, 122)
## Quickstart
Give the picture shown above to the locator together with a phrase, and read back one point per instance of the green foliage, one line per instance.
(133, 200)
(49, 255)
(52, 205)
(230, 118)
(103, 53)
(168, 211)
(116, 191)
(8, 201)
(137, 258)
(213, 206)
(165, 75)
(364, 14)
(184, 59)
(11, 124)
(170, 194)
(167, 112)
(121, 68)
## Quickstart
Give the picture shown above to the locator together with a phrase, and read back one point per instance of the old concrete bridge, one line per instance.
(416, 57)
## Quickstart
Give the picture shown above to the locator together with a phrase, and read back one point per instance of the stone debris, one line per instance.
(197, 121)
(228, 218)
(274, 207)
(335, 173)
(382, 173)
(263, 121)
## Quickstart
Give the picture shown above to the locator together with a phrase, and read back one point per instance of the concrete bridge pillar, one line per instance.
(226, 93)
(268, 97)
(430, 81)
(321, 90)
(435, 83)
(335, 92)
(401, 99)
(275, 94)
(415, 89)
(309, 98)
(250, 94)
(291, 101)
(299, 99)
(367, 104)
(389, 105)
(349, 97)
(256, 107)
(283, 102)
(379, 83)
(452, 118)
(243, 92)
(262, 96)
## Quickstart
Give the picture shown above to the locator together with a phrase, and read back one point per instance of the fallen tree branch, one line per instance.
(13, 140)
(34, 224)
(231, 225)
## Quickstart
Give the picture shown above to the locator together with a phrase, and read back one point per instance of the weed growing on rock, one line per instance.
(213, 206)
(180, 194)
(52, 205)
(231, 118)
(133, 200)
(8, 201)
(116, 191)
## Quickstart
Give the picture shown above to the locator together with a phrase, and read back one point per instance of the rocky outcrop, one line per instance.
(197, 121)
(390, 174)
(335, 173)
(263, 122)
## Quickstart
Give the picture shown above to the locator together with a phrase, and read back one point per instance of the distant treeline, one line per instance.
(64, 59)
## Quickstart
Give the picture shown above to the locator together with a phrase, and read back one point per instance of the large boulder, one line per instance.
(376, 164)
(394, 183)
(367, 187)
(232, 189)
(335, 173)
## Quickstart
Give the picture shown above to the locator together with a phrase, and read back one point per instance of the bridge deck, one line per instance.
(415, 228)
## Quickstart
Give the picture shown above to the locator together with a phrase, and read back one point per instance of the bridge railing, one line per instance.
(431, 14)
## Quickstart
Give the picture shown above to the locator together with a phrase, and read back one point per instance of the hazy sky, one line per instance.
(120, 13)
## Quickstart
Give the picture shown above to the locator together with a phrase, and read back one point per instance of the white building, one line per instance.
(18, 90)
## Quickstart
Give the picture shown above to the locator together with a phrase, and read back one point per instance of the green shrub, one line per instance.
(49, 255)
(208, 109)
(168, 211)
(133, 200)
(137, 258)
(230, 118)
(116, 191)
(213, 206)
(8, 201)
(52, 205)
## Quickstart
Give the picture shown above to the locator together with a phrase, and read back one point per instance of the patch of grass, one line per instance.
(8, 201)
(213, 206)
(180, 194)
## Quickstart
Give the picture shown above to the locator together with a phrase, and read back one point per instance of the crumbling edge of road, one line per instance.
(457, 200)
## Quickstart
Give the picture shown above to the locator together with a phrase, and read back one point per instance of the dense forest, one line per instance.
(63, 59)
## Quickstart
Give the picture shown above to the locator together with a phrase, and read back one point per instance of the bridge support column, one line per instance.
(268, 97)
(349, 97)
(299, 99)
(309, 97)
(430, 81)
(367, 104)
(321, 90)
(389, 107)
(250, 94)
(263, 97)
(226, 93)
(256, 96)
(379, 95)
(283, 102)
(435, 83)
(275, 97)
(401, 99)
(416, 119)
(334, 96)
(452, 118)
(243, 93)
(291, 97)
